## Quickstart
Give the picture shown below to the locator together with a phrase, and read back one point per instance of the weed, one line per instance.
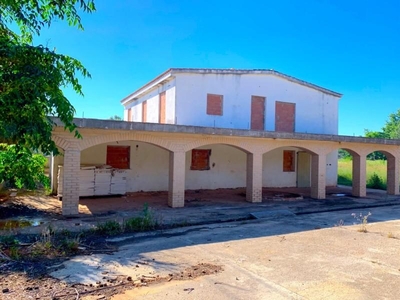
(145, 222)
(8, 241)
(14, 253)
(391, 235)
(69, 245)
(340, 223)
(109, 228)
(362, 220)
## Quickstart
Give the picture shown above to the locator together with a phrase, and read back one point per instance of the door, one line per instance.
(257, 113)
(303, 169)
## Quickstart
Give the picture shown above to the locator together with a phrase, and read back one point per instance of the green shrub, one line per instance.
(145, 222)
(22, 169)
(376, 182)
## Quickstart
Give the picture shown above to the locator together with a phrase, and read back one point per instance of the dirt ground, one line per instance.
(29, 279)
(35, 204)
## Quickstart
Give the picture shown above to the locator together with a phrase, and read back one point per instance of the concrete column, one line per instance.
(70, 195)
(176, 191)
(318, 181)
(359, 176)
(254, 177)
(392, 175)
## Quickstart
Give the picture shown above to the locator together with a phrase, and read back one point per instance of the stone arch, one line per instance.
(60, 142)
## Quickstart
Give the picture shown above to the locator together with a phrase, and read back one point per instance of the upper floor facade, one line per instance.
(237, 99)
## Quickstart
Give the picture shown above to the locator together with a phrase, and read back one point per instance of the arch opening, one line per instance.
(131, 168)
(215, 172)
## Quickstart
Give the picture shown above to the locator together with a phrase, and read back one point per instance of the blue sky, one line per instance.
(351, 47)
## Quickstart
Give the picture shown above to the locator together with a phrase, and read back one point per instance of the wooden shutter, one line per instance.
(214, 104)
(257, 113)
(118, 157)
(200, 159)
(285, 116)
(288, 161)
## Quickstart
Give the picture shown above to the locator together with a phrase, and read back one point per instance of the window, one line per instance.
(118, 156)
(214, 104)
(200, 159)
(288, 160)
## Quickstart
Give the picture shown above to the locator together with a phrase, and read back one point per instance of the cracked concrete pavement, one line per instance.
(279, 256)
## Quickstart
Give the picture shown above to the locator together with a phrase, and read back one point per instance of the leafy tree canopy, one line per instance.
(391, 130)
(32, 77)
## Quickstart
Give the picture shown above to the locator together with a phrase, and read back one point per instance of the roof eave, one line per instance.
(148, 86)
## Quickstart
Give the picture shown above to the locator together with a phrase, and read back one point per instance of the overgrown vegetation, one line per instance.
(145, 222)
(19, 168)
(50, 244)
(376, 173)
(53, 244)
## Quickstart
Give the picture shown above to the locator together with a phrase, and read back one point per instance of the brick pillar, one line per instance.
(70, 195)
(392, 175)
(254, 177)
(176, 191)
(359, 176)
(318, 181)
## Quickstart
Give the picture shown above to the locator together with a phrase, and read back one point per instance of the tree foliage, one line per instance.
(116, 118)
(391, 130)
(32, 77)
(21, 169)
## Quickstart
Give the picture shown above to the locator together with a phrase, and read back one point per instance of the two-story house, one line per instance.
(264, 100)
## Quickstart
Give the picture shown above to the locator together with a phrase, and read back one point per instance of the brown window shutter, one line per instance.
(285, 113)
(214, 104)
(200, 159)
(288, 161)
(257, 113)
(118, 157)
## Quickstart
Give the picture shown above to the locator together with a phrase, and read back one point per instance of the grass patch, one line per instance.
(376, 173)
(50, 244)
(145, 222)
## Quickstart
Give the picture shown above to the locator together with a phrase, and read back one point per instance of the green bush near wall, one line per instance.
(19, 168)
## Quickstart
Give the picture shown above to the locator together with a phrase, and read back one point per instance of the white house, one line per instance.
(238, 99)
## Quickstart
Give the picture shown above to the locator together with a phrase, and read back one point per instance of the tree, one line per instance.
(32, 77)
(391, 130)
(392, 126)
(116, 118)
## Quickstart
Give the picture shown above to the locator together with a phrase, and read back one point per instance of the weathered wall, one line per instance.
(149, 167)
(152, 99)
(316, 112)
